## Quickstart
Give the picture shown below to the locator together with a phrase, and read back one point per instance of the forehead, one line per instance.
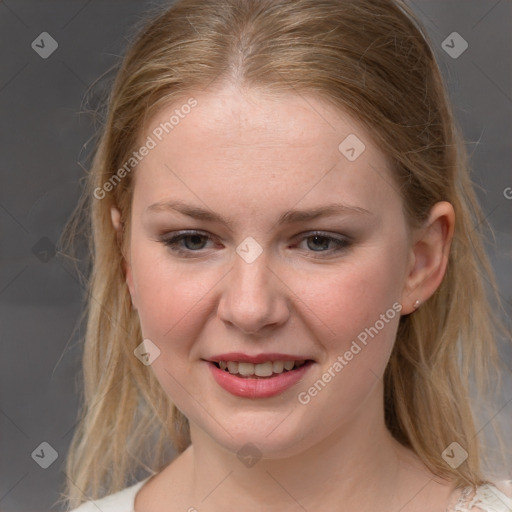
(229, 116)
(248, 143)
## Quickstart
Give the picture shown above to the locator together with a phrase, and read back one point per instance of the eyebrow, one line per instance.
(289, 217)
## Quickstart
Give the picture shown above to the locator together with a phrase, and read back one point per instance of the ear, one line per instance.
(115, 215)
(429, 256)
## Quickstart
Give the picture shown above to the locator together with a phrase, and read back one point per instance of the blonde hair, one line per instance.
(370, 58)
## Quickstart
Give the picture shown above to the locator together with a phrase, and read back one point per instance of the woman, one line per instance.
(286, 268)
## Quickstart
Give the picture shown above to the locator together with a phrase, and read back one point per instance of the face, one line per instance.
(242, 278)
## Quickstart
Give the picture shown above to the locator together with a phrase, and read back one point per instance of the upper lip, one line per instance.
(259, 358)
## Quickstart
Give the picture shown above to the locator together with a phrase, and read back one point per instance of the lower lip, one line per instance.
(258, 387)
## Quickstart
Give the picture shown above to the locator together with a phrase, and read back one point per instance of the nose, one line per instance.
(254, 298)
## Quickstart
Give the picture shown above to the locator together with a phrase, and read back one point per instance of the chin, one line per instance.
(262, 442)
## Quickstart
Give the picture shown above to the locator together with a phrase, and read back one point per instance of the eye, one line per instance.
(320, 242)
(192, 240)
(185, 243)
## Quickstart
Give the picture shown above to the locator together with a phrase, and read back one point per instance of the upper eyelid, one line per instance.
(191, 232)
(180, 235)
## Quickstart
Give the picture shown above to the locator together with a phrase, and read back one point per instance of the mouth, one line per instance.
(258, 380)
(265, 370)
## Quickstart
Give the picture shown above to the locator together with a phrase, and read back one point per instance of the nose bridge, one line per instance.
(252, 298)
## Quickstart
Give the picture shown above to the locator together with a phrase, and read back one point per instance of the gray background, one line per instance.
(45, 141)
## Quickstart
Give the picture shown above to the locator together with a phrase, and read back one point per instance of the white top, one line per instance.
(487, 498)
(121, 501)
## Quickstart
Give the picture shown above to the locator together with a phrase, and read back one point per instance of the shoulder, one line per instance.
(121, 501)
(490, 497)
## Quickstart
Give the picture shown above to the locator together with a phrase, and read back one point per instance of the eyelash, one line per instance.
(172, 242)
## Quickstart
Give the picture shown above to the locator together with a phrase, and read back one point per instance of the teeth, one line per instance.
(232, 366)
(288, 365)
(265, 369)
(245, 368)
(278, 366)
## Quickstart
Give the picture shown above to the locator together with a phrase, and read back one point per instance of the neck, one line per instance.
(358, 465)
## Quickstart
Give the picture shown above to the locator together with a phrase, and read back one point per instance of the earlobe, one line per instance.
(129, 283)
(115, 215)
(117, 222)
(429, 259)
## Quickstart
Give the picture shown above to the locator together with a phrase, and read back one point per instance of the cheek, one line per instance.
(169, 296)
(354, 303)
(359, 311)
(335, 304)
